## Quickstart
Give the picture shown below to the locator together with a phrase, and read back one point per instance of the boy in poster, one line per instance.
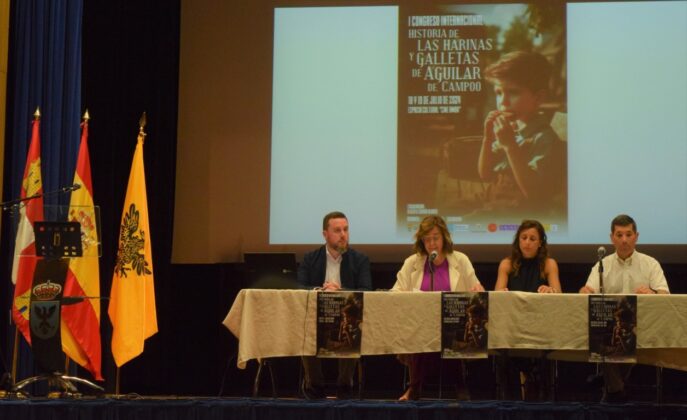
(522, 158)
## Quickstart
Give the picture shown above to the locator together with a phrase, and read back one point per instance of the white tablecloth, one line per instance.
(277, 323)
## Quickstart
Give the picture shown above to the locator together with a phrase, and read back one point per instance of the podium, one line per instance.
(66, 233)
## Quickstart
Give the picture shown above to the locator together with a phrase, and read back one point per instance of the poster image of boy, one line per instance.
(522, 158)
(624, 340)
(476, 328)
(350, 332)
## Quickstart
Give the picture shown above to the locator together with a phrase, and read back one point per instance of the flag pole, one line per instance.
(85, 119)
(15, 355)
(117, 383)
(15, 347)
(142, 125)
(66, 359)
(123, 352)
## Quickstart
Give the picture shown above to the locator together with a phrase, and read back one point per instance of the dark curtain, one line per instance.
(130, 65)
(44, 70)
(116, 59)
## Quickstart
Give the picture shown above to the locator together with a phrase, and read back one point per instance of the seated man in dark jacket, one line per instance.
(332, 267)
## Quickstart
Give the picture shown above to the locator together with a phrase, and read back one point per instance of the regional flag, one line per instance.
(30, 211)
(81, 321)
(132, 299)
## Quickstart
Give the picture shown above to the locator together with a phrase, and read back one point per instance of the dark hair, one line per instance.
(351, 310)
(623, 220)
(427, 224)
(542, 252)
(477, 308)
(332, 215)
(528, 69)
(623, 310)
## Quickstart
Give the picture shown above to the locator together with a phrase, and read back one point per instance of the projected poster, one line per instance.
(482, 118)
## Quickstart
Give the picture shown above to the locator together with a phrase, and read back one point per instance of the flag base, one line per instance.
(56, 380)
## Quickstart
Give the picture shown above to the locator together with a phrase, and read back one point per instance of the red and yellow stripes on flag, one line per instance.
(132, 298)
(24, 263)
(81, 322)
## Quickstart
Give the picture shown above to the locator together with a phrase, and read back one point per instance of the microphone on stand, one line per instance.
(601, 253)
(71, 300)
(71, 188)
(599, 378)
(432, 256)
(17, 203)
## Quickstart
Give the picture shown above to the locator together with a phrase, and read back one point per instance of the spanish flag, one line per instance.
(132, 299)
(25, 259)
(81, 321)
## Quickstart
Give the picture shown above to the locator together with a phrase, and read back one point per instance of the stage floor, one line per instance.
(174, 408)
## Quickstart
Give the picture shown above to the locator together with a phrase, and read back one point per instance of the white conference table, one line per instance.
(279, 323)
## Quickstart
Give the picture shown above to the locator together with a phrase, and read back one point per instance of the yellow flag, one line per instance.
(132, 299)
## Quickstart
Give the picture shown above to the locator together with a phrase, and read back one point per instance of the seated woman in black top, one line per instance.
(528, 269)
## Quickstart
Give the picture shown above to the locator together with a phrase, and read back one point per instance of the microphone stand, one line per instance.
(59, 379)
(16, 203)
(601, 276)
(72, 300)
(603, 295)
(431, 273)
(601, 253)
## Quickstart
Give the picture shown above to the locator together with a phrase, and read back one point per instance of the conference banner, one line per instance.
(339, 324)
(613, 329)
(464, 322)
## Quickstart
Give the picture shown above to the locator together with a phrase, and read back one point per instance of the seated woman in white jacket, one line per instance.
(453, 271)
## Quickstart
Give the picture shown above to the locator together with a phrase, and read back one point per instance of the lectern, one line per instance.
(67, 233)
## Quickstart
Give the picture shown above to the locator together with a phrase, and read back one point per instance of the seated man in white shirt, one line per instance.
(626, 271)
